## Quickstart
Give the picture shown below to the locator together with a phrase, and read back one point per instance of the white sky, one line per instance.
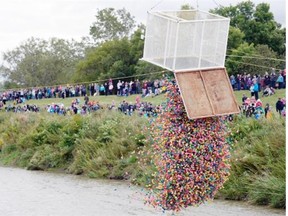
(21, 19)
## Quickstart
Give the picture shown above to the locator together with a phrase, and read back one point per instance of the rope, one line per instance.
(95, 81)
(254, 55)
(254, 65)
(218, 5)
(234, 50)
(156, 4)
(275, 59)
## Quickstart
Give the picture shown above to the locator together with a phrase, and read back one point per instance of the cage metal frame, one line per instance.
(179, 21)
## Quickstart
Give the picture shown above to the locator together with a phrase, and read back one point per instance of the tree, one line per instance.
(268, 58)
(253, 60)
(234, 63)
(110, 59)
(239, 15)
(112, 24)
(116, 58)
(137, 43)
(187, 7)
(152, 71)
(38, 62)
(257, 24)
(9, 85)
(235, 38)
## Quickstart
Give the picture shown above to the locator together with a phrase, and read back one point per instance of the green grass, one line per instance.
(106, 100)
(271, 99)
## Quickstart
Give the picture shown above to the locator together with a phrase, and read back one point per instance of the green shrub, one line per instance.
(268, 190)
(98, 145)
(105, 151)
(257, 162)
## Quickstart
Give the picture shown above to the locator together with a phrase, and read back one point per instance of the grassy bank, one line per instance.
(105, 144)
(257, 162)
(100, 145)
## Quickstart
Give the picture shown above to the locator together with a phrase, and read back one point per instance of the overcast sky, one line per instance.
(21, 19)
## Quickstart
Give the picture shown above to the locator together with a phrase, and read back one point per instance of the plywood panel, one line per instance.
(206, 93)
(219, 91)
(194, 94)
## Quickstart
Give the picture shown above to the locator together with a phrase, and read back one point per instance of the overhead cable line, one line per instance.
(256, 57)
(234, 50)
(218, 5)
(238, 51)
(156, 4)
(253, 65)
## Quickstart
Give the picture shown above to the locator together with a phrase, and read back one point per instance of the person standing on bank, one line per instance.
(280, 81)
(86, 99)
(256, 90)
(279, 106)
(273, 79)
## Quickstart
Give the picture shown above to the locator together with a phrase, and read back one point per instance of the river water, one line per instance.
(29, 193)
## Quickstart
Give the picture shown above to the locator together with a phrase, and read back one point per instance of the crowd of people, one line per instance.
(256, 83)
(19, 108)
(75, 108)
(252, 107)
(145, 109)
(119, 88)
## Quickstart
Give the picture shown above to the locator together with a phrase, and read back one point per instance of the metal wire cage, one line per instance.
(185, 40)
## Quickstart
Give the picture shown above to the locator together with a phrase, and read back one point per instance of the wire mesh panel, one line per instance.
(184, 40)
(156, 39)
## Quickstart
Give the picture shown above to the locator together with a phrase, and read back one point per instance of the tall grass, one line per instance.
(258, 162)
(99, 145)
(106, 145)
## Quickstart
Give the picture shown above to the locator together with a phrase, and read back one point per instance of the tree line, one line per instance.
(115, 44)
(255, 38)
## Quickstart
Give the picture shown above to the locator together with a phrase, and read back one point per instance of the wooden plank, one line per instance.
(206, 93)
(209, 99)
(193, 94)
(219, 91)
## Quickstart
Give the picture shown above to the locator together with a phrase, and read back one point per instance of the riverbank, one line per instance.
(106, 144)
(99, 145)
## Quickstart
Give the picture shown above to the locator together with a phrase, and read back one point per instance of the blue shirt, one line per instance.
(256, 87)
(280, 78)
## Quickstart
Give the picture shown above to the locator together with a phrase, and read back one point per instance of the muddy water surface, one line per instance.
(29, 193)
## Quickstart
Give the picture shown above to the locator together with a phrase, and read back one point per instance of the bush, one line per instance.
(258, 162)
(106, 152)
(99, 145)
